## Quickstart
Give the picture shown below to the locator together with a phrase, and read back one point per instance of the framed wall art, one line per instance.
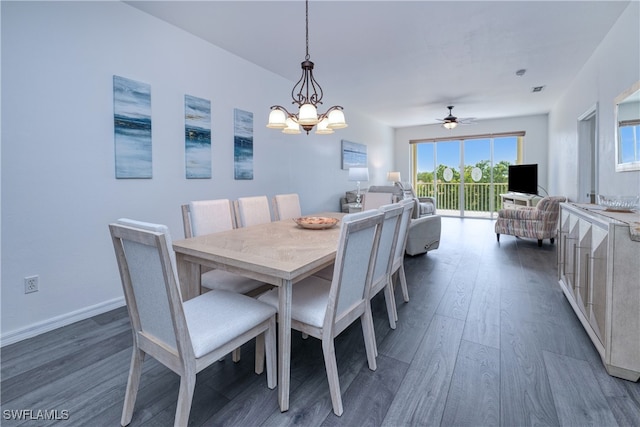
(353, 155)
(132, 128)
(197, 137)
(242, 144)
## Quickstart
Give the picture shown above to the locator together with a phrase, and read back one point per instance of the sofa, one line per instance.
(425, 227)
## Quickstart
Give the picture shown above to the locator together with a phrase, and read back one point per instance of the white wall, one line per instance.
(613, 68)
(58, 186)
(535, 140)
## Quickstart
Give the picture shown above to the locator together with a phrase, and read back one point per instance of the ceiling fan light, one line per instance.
(449, 125)
(308, 115)
(336, 120)
(277, 119)
(292, 127)
(322, 128)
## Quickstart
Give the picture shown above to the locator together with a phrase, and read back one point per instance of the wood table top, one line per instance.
(279, 249)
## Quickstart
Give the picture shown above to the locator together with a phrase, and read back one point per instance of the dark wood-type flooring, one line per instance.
(487, 339)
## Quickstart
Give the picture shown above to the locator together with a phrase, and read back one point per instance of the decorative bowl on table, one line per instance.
(316, 222)
(618, 203)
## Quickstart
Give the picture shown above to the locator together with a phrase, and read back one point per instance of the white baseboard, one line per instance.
(59, 321)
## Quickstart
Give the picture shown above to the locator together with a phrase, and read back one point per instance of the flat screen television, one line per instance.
(523, 179)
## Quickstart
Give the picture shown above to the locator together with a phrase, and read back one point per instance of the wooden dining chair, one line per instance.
(397, 268)
(384, 259)
(382, 276)
(184, 336)
(212, 216)
(252, 211)
(207, 216)
(286, 206)
(323, 308)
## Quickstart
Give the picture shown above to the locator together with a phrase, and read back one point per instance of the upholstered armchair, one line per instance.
(425, 226)
(424, 205)
(539, 222)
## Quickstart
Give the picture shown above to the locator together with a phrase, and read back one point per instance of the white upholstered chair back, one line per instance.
(148, 278)
(375, 200)
(207, 216)
(252, 211)
(286, 206)
(384, 259)
(388, 239)
(355, 260)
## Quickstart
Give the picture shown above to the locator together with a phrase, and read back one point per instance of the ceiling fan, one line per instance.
(452, 121)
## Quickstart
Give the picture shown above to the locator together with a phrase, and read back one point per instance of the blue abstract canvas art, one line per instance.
(242, 144)
(197, 137)
(132, 128)
(353, 155)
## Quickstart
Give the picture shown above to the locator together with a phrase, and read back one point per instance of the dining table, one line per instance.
(279, 253)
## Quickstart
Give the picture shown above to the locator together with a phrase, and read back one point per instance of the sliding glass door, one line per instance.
(477, 179)
(467, 175)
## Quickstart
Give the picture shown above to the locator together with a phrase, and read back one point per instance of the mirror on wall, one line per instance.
(627, 110)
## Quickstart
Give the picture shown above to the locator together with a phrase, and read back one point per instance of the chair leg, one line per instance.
(272, 354)
(235, 355)
(539, 242)
(133, 382)
(498, 237)
(403, 283)
(389, 297)
(185, 398)
(329, 353)
(369, 333)
(552, 240)
(259, 364)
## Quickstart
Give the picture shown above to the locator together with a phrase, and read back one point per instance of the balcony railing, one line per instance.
(477, 195)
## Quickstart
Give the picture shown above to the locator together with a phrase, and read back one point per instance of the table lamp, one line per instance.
(358, 174)
(393, 177)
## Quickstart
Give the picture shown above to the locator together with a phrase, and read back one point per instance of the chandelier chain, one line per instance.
(307, 27)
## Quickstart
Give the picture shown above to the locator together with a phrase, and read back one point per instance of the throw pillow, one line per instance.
(351, 196)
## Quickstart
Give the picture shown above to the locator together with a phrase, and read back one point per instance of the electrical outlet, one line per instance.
(31, 284)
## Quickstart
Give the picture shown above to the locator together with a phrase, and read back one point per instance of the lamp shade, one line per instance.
(358, 174)
(277, 119)
(336, 120)
(308, 115)
(322, 128)
(292, 127)
(393, 176)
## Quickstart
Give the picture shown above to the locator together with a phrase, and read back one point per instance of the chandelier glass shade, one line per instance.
(307, 95)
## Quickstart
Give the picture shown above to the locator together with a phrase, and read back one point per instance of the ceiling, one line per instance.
(403, 62)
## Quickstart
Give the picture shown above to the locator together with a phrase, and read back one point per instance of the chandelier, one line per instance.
(307, 94)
